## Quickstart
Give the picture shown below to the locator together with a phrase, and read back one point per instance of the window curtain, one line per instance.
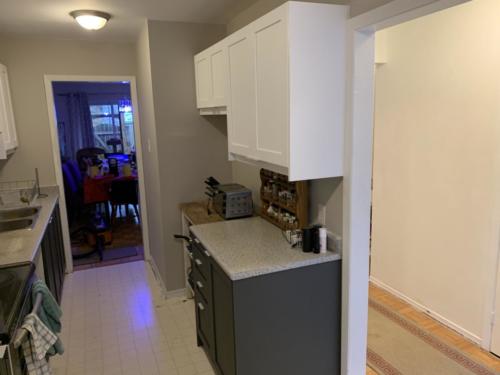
(78, 131)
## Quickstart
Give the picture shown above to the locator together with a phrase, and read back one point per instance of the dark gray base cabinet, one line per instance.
(283, 323)
(54, 261)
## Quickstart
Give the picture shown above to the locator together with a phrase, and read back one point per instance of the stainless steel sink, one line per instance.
(18, 213)
(26, 223)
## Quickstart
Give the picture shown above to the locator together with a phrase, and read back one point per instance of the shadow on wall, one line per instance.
(218, 122)
(328, 193)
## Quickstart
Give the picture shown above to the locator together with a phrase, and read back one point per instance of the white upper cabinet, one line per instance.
(286, 90)
(282, 79)
(8, 135)
(211, 75)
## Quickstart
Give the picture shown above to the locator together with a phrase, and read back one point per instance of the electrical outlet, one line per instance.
(321, 218)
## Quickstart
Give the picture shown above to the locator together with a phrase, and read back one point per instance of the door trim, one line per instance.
(49, 79)
(358, 140)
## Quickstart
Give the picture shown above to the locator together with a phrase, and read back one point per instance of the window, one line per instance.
(110, 121)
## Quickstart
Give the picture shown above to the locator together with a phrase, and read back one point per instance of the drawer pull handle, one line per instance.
(206, 253)
(198, 262)
(196, 240)
(200, 284)
(201, 307)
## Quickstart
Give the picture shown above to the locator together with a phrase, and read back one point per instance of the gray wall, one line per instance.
(362, 6)
(261, 7)
(189, 147)
(28, 59)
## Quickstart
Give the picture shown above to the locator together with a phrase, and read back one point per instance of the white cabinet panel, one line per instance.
(8, 135)
(241, 95)
(272, 90)
(211, 75)
(203, 82)
(218, 64)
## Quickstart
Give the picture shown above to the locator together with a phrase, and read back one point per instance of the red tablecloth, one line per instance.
(96, 189)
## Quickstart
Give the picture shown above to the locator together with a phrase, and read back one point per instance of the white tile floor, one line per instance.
(116, 321)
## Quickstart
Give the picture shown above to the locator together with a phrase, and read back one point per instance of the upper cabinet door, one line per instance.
(241, 94)
(218, 65)
(203, 80)
(271, 82)
(7, 124)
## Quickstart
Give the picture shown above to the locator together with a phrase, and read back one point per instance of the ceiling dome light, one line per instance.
(90, 19)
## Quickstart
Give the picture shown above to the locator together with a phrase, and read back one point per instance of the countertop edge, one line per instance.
(30, 251)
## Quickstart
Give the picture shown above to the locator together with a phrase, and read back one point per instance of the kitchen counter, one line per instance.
(196, 213)
(251, 247)
(22, 245)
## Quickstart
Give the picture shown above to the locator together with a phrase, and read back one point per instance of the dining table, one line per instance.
(97, 189)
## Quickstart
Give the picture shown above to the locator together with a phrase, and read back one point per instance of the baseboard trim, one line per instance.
(418, 306)
(156, 273)
(177, 293)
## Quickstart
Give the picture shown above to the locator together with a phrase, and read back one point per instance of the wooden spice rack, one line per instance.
(288, 200)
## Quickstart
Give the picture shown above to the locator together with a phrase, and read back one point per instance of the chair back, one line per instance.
(88, 154)
(124, 192)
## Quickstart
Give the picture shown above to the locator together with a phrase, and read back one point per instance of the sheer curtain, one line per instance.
(76, 132)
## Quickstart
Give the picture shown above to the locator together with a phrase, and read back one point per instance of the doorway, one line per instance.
(97, 148)
(434, 179)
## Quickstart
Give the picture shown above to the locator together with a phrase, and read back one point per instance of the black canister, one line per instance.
(310, 239)
(307, 240)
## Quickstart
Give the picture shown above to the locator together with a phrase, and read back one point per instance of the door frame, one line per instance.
(49, 79)
(358, 141)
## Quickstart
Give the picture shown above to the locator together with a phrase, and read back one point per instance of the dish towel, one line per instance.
(35, 348)
(49, 313)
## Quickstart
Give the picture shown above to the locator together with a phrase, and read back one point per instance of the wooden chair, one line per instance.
(124, 192)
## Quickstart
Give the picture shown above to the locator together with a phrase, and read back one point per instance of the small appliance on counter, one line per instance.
(230, 201)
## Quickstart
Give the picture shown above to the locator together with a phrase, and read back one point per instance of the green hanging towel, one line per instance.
(49, 313)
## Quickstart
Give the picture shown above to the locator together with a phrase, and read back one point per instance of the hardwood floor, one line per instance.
(431, 325)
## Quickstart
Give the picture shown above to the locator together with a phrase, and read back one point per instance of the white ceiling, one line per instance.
(50, 17)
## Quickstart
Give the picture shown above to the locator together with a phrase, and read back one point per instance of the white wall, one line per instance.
(437, 136)
(28, 59)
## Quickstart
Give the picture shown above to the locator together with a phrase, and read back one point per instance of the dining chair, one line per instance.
(124, 192)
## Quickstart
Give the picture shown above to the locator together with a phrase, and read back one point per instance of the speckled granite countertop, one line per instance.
(19, 246)
(251, 247)
(196, 213)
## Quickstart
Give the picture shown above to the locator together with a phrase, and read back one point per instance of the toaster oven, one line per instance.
(233, 201)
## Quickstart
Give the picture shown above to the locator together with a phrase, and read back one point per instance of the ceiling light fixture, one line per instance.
(90, 19)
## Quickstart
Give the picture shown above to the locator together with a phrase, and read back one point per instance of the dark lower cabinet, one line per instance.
(54, 262)
(224, 353)
(282, 323)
